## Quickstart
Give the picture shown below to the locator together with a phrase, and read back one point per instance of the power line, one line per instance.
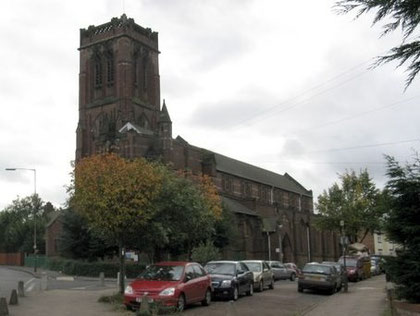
(365, 146)
(347, 118)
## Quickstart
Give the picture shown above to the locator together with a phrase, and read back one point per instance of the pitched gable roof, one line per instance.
(257, 174)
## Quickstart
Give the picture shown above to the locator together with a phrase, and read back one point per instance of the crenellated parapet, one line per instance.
(118, 27)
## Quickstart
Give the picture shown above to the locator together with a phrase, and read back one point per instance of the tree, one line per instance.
(17, 223)
(79, 241)
(356, 202)
(404, 15)
(403, 226)
(189, 208)
(115, 196)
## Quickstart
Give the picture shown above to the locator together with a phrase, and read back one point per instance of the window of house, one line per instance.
(379, 238)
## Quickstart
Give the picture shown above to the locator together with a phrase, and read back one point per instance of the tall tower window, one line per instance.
(98, 73)
(145, 61)
(110, 69)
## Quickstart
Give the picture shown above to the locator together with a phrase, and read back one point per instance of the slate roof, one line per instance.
(257, 174)
(237, 207)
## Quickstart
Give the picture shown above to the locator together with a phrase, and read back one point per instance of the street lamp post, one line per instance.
(34, 171)
(344, 245)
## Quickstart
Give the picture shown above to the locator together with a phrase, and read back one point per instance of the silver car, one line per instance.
(318, 276)
(263, 275)
(281, 272)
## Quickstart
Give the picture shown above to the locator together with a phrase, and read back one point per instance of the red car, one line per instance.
(175, 284)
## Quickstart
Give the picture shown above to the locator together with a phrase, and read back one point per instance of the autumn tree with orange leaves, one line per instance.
(116, 196)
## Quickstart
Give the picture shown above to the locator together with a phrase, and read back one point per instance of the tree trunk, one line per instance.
(364, 236)
(122, 265)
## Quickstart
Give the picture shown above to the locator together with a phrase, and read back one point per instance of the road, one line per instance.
(283, 300)
(9, 279)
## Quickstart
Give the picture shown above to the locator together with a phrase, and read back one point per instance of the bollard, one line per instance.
(102, 278)
(44, 281)
(118, 279)
(4, 311)
(144, 306)
(21, 289)
(13, 298)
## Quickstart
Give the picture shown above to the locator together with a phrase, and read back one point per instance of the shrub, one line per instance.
(205, 252)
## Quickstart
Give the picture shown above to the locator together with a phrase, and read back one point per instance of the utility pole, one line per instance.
(344, 245)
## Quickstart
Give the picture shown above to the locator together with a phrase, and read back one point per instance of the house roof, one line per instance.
(237, 207)
(257, 174)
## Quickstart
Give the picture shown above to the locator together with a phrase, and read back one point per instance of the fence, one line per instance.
(40, 261)
(12, 259)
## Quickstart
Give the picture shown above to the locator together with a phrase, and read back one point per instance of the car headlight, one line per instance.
(128, 290)
(168, 292)
(226, 283)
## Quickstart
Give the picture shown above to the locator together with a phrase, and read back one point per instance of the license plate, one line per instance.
(138, 300)
(314, 278)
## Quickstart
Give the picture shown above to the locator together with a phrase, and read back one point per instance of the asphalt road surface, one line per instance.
(9, 280)
(283, 300)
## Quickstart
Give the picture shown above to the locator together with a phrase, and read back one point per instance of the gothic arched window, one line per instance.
(110, 68)
(98, 72)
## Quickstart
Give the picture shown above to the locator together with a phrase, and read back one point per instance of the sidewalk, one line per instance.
(366, 297)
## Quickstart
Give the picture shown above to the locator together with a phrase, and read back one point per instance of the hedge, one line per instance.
(92, 269)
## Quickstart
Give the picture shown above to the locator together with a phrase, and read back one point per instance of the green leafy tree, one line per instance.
(356, 201)
(205, 252)
(18, 221)
(403, 226)
(402, 14)
(116, 197)
(189, 208)
(79, 241)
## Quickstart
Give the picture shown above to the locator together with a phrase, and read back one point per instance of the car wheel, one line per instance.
(260, 286)
(292, 277)
(181, 303)
(271, 286)
(300, 289)
(235, 293)
(207, 298)
(250, 292)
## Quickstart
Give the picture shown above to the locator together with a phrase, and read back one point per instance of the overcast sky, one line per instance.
(283, 85)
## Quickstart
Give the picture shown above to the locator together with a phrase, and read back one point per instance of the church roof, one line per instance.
(257, 174)
(133, 127)
(237, 207)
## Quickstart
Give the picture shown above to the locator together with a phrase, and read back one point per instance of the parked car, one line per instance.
(374, 267)
(170, 283)
(263, 275)
(230, 278)
(318, 276)
(293, 266)
(281, 272)
(354, 267)
(341, 272)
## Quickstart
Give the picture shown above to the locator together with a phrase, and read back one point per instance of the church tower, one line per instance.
(119, 89)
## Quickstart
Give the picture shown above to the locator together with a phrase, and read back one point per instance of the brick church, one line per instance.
(120, 110)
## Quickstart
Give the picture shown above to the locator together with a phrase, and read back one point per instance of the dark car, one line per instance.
(318, 276)
(173, 284)
(341, 272)
(230, 278)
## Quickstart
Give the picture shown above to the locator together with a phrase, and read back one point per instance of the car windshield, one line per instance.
(220, 268)
(162, 273)
(349, 262)
(254, 266)
(317, 268)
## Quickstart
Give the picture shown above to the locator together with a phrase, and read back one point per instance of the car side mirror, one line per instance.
(187, 278)
(240, 272)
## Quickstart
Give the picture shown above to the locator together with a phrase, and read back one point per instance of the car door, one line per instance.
(240, 277)
(284, 274)
(201, 281)
(190, 286)
(267, 273)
